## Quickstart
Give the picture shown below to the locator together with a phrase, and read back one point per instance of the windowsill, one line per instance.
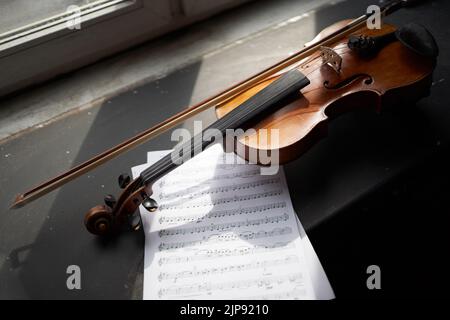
(40, 34)
(231, 34)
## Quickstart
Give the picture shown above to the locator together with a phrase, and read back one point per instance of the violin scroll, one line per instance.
(99, 220)
(106, 219)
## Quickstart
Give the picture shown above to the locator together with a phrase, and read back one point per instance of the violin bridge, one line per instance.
(331, 58)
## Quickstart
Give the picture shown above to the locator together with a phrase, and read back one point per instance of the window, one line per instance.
(21, 21)
(42, 39)
(18, 13)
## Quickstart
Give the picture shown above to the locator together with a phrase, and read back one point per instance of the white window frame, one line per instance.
(41, 51)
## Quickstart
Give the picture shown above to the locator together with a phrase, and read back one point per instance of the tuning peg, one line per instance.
(110, 200)
(150, 204)
(135, 221)
(124, 180)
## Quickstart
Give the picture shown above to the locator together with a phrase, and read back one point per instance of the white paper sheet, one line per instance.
(223, 231)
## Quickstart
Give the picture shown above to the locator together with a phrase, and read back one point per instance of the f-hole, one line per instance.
(367, 81)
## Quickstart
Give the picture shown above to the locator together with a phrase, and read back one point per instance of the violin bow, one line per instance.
(220, 98)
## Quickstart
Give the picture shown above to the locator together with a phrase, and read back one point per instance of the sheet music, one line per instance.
(223, 231)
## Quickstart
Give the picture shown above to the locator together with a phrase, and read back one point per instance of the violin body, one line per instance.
(393, 75)
(287, 107)
(364, 69)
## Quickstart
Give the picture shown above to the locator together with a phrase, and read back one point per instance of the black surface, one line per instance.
(374, 192)
(402, 228)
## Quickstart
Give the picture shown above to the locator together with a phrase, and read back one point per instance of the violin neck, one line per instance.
(287, 87)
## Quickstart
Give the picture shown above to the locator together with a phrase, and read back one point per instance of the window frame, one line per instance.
(57, 25)
(57, 50)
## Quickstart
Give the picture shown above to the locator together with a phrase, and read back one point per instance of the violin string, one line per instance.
(221, 125)
(166, 162)
(313, 58)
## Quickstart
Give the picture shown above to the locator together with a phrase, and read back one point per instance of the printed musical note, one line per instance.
(221, 177)
(192, 191)
(225, 237)
(222, 231)
(171, 218)
(213, 254)
(226, 200)
(266, 283)
(223, 226)
(224, 269)
(297, 293)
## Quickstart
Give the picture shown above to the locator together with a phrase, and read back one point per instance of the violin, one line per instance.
(345, 67)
